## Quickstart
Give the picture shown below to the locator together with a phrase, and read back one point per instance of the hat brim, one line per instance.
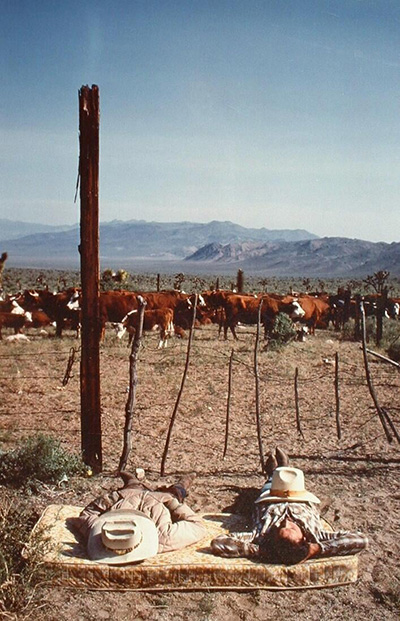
(303, 497)
(147, 548)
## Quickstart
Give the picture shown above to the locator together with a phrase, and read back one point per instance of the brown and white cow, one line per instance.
(60, 307)
(317, 312)
(154, 319)
(115, 305)
(14, 321)
(244, 309)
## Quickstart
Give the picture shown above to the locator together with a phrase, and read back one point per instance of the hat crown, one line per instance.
(287, 479)
(287, 485)
(120, 534)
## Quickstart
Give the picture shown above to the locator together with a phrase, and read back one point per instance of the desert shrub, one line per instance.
(393, 351)
(349, 330)
(19, 579)
(40, 458)
(391, 337)
(282, 333)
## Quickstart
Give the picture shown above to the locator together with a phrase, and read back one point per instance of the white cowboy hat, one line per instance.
(287, 485)
(122, 536)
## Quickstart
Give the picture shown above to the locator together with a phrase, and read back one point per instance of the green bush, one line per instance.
(282, 333)
(40, 458)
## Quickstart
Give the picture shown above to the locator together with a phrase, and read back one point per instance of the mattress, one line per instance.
(193, 568)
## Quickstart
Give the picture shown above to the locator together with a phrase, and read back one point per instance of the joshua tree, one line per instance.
(3, 259)
(240, 281)
(378, 281)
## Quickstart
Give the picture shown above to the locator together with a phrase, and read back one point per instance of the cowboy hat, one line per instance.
(287, 485)
(122, 536)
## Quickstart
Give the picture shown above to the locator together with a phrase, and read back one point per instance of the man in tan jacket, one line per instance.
(176, 523)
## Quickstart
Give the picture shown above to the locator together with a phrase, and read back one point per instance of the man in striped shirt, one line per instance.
(287, 525)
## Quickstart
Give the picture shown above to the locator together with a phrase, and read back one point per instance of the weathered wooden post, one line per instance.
(337, 397)
(380, 313)
(296, 401)
(228, 403)
(89, 251)
(257, 387)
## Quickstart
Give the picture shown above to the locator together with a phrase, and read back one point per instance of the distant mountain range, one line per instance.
(199, 248)
(10, 229)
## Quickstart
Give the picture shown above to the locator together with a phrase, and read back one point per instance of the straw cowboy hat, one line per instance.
(122, 536)
(287, 485)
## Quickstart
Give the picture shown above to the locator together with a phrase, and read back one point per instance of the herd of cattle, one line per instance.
(171, 312)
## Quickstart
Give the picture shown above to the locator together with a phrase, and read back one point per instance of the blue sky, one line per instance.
(274, 113)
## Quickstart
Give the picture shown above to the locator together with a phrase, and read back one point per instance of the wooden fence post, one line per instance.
(381, 414)
(228, 403)
(89, 251)
(380, 313)
(178, 399)
(257, 386)
(337, 398)
(133, 380)
(296, 400)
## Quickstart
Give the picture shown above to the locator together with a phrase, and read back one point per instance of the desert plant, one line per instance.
(283, 332)
(394, 351)
(39, 458)
(20, 580)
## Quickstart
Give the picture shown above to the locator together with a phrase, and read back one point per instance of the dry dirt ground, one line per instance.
(355, 477)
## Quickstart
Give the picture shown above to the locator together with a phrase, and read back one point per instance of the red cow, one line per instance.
(245, 309)
(60, 307)
(317, 312)
(15, 321)
(159, 318)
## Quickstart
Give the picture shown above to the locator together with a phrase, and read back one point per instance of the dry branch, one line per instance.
(384, 358)
(337, 399)
(257, 387)
(296, 400)
(228, 403)
(368, 376)
(130, 403)
(171, 424)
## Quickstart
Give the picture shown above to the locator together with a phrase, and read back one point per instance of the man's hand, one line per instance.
(313, 550)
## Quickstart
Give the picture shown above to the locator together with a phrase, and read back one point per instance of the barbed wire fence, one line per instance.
(40, 394)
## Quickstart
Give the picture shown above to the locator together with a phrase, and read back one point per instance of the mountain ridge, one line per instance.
(214, 246)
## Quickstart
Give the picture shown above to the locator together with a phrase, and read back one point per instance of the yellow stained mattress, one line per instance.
(193, 568)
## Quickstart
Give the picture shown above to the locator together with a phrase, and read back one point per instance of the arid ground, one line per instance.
(356, 477)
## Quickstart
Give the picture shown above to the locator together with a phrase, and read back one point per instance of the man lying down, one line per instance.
(137, 522)
(287, 526)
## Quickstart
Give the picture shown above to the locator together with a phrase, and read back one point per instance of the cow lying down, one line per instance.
(15, 321)
(158, 319)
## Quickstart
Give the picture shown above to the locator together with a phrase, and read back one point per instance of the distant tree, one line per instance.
(3, 259)
(121, 276)
(306, 284)
(240, 281)
(264, 282)
(179, 280)
(377, 281)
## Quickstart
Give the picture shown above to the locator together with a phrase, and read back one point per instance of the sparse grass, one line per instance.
(207, 604)
(20, 579)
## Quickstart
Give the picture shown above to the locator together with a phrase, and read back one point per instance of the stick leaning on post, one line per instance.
(132, 387)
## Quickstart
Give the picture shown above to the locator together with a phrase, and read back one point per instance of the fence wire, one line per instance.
(40, 392)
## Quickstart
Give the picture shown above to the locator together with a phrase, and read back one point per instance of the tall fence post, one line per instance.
(89, 250)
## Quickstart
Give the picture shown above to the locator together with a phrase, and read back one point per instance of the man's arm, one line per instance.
(179, 527)
(341, 543)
